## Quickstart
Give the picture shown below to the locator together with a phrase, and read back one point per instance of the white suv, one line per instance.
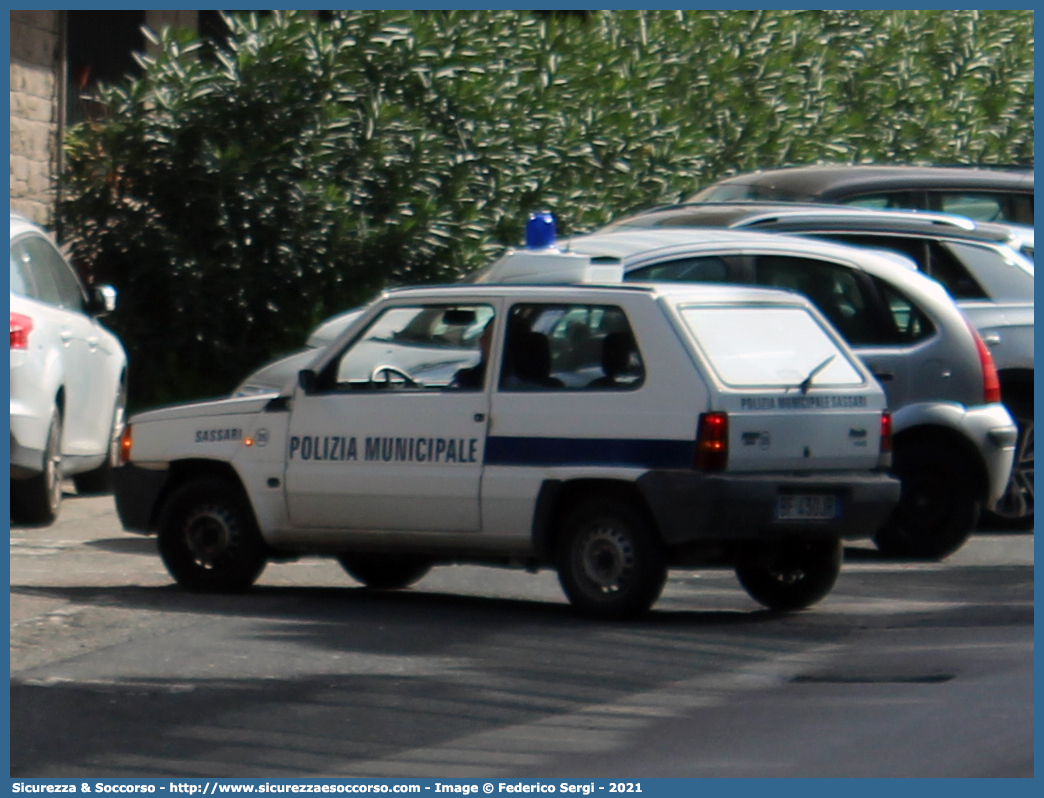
(609, 432)
(68, 379)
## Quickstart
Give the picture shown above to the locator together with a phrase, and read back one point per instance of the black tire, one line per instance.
(208, 538)
(938, 503)
(790, 574)
(1015, 509)
(36, 501)
(99, 480)
(611, 563)
(385, 571)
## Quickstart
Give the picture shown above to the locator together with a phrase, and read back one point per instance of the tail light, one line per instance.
(712, 442)
(990, 381)
(21, 326)
(885, 458)
(126, 443)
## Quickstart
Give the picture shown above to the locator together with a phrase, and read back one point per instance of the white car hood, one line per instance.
(237, 405)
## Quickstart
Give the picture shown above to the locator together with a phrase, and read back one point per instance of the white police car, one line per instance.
(608, 431)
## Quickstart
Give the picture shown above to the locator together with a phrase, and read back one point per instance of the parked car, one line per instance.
(273, 376)
(609, 432)
(954, 440)
(989, 195)
(977, 262)
(68, 378)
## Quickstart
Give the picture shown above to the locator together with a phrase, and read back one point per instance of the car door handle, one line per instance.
(92, 342)
(65, 335)
(991, 339)
(479, 418)
(884, 376)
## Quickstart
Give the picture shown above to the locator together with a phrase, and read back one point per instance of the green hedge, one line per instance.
(235, 197)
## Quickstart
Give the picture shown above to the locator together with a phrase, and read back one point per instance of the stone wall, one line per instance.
(35, 109)
(34, 112)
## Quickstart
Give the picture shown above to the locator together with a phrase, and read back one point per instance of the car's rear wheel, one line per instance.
(37, 500)
(938, 503)
(208, 538)
(611, 563)
(99, 480)
(1015, 508)
(385, 571)
(790, 574)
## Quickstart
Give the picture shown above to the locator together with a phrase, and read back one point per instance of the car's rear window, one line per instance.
(768, 346)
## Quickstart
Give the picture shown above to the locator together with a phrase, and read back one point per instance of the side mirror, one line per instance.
(307, 380)
(102, 300)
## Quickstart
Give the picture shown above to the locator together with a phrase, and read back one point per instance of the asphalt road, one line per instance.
(906, 669)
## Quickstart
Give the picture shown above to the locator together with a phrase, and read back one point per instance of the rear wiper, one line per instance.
(807, 382)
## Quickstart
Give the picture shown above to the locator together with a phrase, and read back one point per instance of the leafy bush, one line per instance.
(238, 195)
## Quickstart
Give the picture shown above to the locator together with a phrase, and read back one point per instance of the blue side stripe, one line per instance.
(589, 452)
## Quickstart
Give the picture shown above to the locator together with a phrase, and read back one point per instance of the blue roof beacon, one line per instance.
(541, 261)
(540, 230)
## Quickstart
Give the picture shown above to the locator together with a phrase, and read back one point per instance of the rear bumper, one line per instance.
(137, 492)
(28, 439)
(26, 461)
(993, 431)
(692, 506)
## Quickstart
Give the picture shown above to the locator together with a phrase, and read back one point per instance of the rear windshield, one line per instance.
(768, 347)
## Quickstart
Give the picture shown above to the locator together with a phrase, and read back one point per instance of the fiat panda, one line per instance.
(611, 432)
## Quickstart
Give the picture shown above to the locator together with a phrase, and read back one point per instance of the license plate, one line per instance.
(807, 507)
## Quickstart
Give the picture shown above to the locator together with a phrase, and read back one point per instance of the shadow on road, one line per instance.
(135, 544)
(352, 605)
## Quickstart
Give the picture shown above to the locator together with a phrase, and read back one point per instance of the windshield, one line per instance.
(769, 347)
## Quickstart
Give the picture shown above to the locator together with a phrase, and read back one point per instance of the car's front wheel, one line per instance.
(385, 571)
(37, 500)
(790, 574)
(611, 563)
(208, 538)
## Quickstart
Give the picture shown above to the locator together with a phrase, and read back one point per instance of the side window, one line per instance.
(885, 200)
(56, 282)
(1005, 278)
(931, 257)
(417, 348)
(40, 278)
(21, 283)
(945, 267)
(908, 322)
(1021, 208)
(833, 288)
(981, 205)
(708, 269)
(570, 347)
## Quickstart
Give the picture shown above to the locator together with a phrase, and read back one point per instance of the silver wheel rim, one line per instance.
(1017, 501)
(606, 559)
(209, 534)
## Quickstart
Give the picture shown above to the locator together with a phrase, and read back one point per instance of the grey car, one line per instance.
(982, 265)
(275, 375)
(991, 195)
(954, 440)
